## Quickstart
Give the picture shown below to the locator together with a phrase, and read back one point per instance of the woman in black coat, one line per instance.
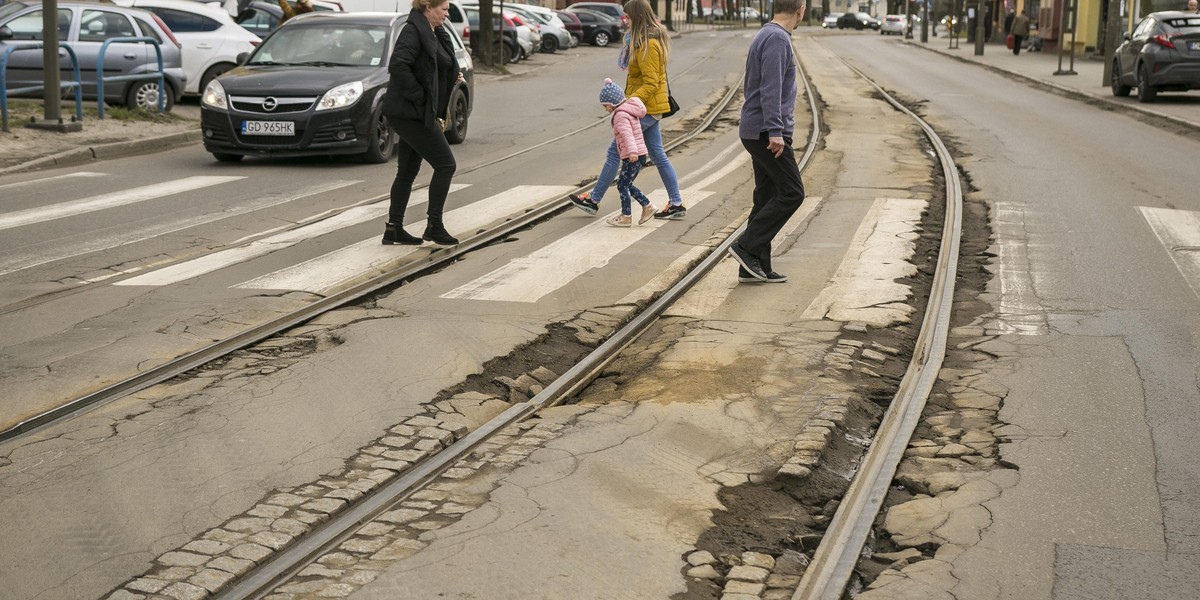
(423, 72)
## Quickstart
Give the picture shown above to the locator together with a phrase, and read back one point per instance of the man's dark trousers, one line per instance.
(778, 193)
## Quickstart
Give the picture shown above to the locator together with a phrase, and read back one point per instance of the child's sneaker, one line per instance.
(620, 220)
(647, 213)
(584, 203)
(671, 211)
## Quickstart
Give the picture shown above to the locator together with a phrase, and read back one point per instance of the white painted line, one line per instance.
(864, 288)
(1020, 311)
(711, 291)
(9, 186)
(1179, 232)
(218, 260)
(529, 278)
(320, 274)
(122, 198)
(60, 249)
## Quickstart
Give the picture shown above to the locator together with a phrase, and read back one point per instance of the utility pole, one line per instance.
(981, 27)
(52, 78)
(1112, 38)
(924, 21)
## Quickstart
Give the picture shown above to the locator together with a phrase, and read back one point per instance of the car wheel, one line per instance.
(144, 95)
(1146, 92)
(223, 157)
(381, 142)
(550, 44)
(1118, 89)
(601, 39)
(456, 133)
(212, 73)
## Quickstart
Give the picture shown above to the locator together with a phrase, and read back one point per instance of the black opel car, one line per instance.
(314, 87)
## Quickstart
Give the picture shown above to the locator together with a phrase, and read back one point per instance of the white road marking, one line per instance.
(331, 270)
(9, 186)
(529, 278)
(55, 250)
(864, 288)
(218, 260)
(121, 198)
(710, 292)
(1020, 311)
(1179, 232)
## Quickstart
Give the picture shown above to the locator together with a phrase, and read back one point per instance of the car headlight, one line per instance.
(214, 96)
(341, 96)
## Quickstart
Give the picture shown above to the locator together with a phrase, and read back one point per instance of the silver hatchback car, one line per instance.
(85, 26)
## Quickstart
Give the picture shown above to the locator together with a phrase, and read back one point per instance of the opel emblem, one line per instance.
(270, 104)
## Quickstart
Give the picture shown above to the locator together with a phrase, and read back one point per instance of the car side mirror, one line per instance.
(241, 58)
(6, 33)
(1125, 36)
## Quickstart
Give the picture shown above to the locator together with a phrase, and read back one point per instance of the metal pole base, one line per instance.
(60, 126)
(1061, 72)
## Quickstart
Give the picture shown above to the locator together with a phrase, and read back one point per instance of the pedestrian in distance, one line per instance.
(644, 56)
(767, 124)
(1020, 31)
(1008, 21)
(1192, 7)
(423, 72)
(626, 120)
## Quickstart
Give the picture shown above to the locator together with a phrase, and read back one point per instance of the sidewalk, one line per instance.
(1088, 84)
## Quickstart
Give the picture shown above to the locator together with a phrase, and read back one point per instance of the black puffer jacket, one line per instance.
(417, 89)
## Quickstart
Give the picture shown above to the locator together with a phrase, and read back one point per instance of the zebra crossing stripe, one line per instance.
(224, 258)
(337, 268)
(1179, 232)
(62, 210)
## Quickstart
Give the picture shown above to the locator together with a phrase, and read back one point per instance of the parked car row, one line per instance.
(858, 20)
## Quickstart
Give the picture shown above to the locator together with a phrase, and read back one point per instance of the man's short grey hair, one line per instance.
(784, 7)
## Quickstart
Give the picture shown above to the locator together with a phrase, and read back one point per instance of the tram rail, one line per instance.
(287, 563)
(432, 261)
(833, 562)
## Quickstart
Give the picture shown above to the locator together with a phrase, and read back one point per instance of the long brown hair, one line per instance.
(643, 25)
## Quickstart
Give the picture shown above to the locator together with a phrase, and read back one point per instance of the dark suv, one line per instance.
(1162, 54)
(314, 87)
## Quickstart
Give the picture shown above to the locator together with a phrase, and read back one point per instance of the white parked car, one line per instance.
(210, 38)
(830, 20)
(892, 25)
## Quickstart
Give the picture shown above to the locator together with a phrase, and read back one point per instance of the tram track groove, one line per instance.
(429, 262)
(286, 564)
(834, 560)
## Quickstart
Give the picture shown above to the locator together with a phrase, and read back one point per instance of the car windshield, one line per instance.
(11, 8)
(323, 45)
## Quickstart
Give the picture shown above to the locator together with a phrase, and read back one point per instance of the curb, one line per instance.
(1067, 91)
(106, 151)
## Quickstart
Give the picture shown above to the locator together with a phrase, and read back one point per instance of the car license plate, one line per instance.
(1194, 46)
(268, 128)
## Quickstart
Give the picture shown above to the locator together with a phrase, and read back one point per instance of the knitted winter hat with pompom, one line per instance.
(611, 94)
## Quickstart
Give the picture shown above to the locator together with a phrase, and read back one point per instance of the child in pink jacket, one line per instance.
(631, 147)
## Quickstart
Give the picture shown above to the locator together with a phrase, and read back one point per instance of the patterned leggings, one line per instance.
(625, 187)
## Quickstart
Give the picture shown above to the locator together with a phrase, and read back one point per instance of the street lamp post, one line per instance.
(980, 27)
(52, 79)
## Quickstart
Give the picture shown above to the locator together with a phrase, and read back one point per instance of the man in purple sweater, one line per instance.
(766, 131)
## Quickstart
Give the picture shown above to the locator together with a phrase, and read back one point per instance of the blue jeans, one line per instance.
(653, 135)
(625, 187)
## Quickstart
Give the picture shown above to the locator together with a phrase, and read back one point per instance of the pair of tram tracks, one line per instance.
(834, 560)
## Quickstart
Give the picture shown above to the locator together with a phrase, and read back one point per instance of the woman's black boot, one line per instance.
(394, 233)
(436, 233)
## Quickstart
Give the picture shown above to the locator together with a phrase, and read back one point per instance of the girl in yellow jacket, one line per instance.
(644, 55)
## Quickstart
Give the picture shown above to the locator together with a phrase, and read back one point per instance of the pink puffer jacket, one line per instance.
(627, 127)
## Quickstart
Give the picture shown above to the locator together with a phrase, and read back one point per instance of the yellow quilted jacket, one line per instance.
(647, 78)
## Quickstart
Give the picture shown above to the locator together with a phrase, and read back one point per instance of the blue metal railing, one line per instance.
(4, 91)
(100, 78)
